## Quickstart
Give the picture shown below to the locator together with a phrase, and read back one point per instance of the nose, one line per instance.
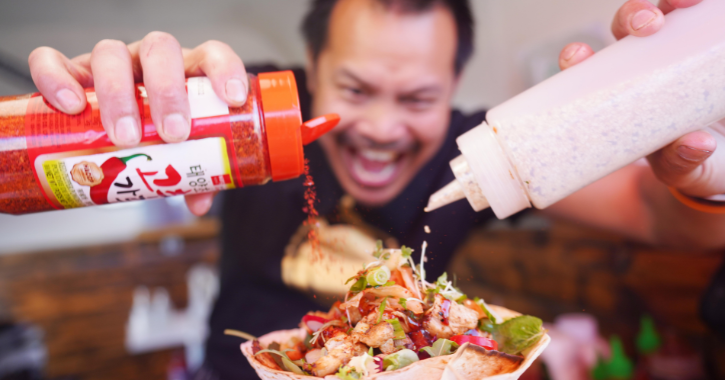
(382, 123)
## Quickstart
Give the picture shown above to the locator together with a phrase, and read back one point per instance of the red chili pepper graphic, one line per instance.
(111, 169)
(173, 178)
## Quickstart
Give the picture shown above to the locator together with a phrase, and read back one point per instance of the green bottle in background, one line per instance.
(619, 366)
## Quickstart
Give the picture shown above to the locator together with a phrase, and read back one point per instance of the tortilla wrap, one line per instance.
(468, 363)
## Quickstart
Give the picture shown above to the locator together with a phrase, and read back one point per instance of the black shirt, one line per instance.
(259, 221)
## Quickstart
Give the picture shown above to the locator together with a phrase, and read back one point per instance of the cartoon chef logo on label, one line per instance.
(100, 179)
(87, 173)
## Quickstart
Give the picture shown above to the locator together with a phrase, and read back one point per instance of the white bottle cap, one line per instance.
(494, 174)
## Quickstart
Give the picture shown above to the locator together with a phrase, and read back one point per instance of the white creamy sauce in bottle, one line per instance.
(623, 103)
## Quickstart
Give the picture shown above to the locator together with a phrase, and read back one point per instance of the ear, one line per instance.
(311, 71)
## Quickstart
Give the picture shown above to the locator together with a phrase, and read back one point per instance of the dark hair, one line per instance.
(317, 22)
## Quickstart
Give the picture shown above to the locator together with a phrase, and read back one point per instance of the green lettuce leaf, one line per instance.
(517, 334)
(400, 359)
(441, 347)
(347, 373)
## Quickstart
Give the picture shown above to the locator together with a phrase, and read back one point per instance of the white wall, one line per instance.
(517, 42)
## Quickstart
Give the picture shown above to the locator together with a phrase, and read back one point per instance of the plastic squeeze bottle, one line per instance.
(625, 102)
(50, 160)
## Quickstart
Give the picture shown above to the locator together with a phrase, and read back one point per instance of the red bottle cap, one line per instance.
(282, 119)
(312, 129)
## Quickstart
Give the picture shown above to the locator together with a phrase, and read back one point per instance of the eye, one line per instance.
(354, 90)
(354, 94)
(417, 103)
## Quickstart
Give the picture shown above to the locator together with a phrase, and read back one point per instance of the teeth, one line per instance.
(376, 177)
(378, 155)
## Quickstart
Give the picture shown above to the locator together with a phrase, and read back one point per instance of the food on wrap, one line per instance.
(394, 323)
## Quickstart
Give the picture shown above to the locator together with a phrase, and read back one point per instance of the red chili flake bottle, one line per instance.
(50, 160)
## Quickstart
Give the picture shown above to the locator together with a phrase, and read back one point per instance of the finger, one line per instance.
(574, 53)
(163, 77)
(199, 204)
(59, 80)
(224, 68)
(111, 63)
(667, 6)
(680, 164)
(638, 18)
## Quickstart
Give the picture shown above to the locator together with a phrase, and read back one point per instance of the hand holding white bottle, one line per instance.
(622, 104)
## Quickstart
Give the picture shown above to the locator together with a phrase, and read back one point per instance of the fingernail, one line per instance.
(127, 131)
(176, 126)
(236, 90)
(67, 99)
(691, 154)
(571, 51)
(642, 19)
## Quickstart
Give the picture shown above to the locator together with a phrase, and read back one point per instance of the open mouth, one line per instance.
(372, 167)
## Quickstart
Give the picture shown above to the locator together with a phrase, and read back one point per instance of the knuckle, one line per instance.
(214, 46)
(168, 93)
(108, 45)
(157, 37)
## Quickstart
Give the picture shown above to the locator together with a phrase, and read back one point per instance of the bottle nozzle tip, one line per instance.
(447, 194)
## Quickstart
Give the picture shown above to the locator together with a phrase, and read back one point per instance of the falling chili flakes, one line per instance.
(310, 199)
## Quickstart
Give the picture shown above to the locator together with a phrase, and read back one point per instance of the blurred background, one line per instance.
(70, 280)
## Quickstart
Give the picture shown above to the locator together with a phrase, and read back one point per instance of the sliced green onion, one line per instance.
(381, 309)
(378, 249)
(240, 334)
(286, 362)
(399, 332)
(370, 352)
(378, 276)
(389, 283)
(403, 302)
(292, 367)
(359, 286)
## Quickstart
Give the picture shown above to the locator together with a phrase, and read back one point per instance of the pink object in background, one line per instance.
(575, 346)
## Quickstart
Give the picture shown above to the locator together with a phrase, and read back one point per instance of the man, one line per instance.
(389, 68)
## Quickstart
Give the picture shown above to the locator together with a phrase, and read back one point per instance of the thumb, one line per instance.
(680, 164)
(199, 204)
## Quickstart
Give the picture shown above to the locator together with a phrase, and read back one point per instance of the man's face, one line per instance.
(390, 76)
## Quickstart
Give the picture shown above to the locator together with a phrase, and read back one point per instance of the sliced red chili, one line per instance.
(486, 343)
